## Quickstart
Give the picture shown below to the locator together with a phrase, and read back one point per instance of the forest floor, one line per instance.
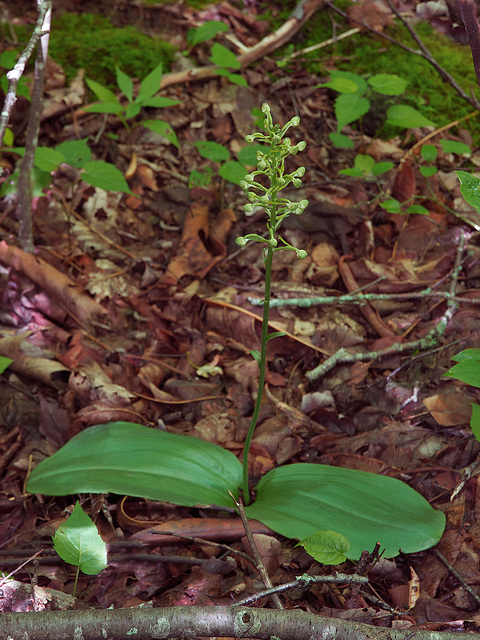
(175, 293)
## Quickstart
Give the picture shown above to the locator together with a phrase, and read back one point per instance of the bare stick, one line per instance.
(24, 184)
(469, 17)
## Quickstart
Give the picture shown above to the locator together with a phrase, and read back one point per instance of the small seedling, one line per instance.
(230, 170)
(4, 363)
(78, 542)
(150, 85)
(327, 547)
(467, 370)
(222, 57)
(365, 167)
(353, 102)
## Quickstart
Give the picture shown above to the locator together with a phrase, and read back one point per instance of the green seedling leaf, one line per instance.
(115, 108)
(232, 171)
(151, 83)
(429, 152)
(212, 150)
(4, 363)
(236, 78)
(276, 334)
(364, 163)
(348, 108)
(382, 167)
(132, 110)
(351, 172)
(475, 421)
(388, 84)
(125, 84)
(418, 209)
(341, 141)
(327, 547)
(105, 176)
(297, 500)
(129, 459)
(163, 129)
(200, 178)
(102, 93)
(223, 57)
(255, 354)
(470, 188)
(78, 542)
(248, 155)
(452, 146)
(402, 115)
(207, 31)
(46, 159)
(428, 172)
(76, 152)
(8, 138)
(346, 82)
(392, 206)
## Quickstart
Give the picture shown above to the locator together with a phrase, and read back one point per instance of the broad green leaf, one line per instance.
(46, 159)
(115, 108)
(132, 110)
(156, 101)
(401, 115)
(429, 152)
(125, 84)
(232, 171)
(205, 32)
(4, 363)
(212, 150)
(126, 458)
(297, 500)
(236, 78)
(102, 93)
(388, 84)
(475, 421)
(8, 138)
(428, 172)
(382, 167)
(151, 83)
(467, 371)
(163, 129)
(200, 179)
(452, 146)
(346, 82)
(351, 172)
(348, 108)
(392, 206)
(327, 547)
(470, 188)
(105, 176)
(341, 141)
(418, 209)
(248, 155)
(467, 354)
(78, 542)
(364, 163)
(76, 152)
(223, 57)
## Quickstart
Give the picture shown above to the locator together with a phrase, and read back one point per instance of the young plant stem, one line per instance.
(262, 363)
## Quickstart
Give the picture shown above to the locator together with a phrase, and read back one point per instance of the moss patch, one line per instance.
(93, 43)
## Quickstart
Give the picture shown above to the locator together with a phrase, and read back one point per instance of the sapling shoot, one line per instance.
(271, 165)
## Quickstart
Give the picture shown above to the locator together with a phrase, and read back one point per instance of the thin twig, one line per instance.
(257, 557)
(455, 573)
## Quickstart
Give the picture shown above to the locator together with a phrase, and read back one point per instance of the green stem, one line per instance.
(262, 363)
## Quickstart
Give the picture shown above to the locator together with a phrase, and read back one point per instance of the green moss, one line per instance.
(93, 43)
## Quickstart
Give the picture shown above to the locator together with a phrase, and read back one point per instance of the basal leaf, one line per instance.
(467, 370)
(78, 542)
(475, 421)
(126, 458)
(299, 499)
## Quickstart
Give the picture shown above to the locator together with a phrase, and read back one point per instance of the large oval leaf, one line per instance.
(299, 499)
(129, 459)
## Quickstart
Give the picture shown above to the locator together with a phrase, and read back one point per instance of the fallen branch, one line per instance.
(189, 622)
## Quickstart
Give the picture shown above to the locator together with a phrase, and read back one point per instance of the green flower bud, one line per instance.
(249, 138)
(243, 184)
(273, 242)
(302, 145)
(249, 178)
(297, 182)
(241, 241)
(300, 172)
(295, 121)
(248, 208)
(301, 253)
